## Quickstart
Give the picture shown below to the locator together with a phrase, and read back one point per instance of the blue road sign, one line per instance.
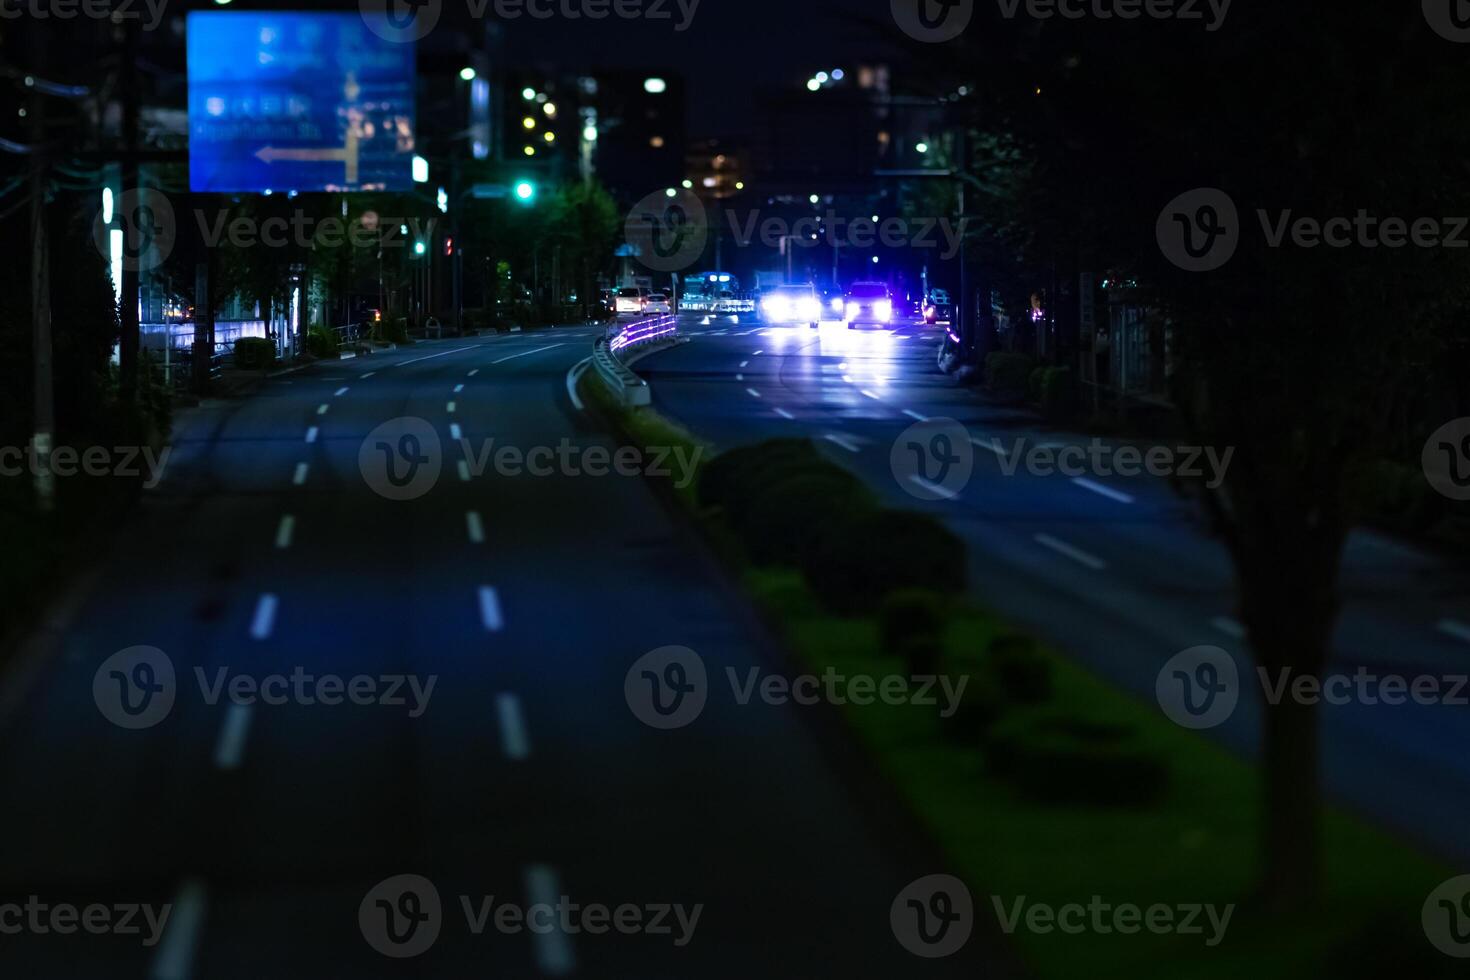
(298, 101)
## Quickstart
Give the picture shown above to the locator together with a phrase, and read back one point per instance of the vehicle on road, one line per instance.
(631, 301)
(658, 303)
(792, 304)
(937, 307)
(868, 303)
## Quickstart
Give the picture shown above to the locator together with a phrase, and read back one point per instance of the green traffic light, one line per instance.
(525, 190)
(419, 248)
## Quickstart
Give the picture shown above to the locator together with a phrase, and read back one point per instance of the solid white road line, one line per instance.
(785, 414)
(452, 407)
(455, 432)
(843, 441)
(1076, 554)
(753, 393)
(457, 350)
(513, 736)
(464, 471)
(574, 378)
(340, 392)
(989, 445)
(284, 532)
(1229, 627)
(264, 621)
(458, 389)
(1455, 628)
(175, 957)
(915, 415)
(553, 950)
(230, 749)
(932, 487)
(475, 526)
(299, 478)
(1098, 488)
(312, 433)
(539, 350)
(490, 609)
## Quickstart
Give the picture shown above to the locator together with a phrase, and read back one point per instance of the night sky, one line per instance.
(774, 42)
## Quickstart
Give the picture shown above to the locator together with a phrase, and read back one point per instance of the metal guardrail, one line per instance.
(610, 352)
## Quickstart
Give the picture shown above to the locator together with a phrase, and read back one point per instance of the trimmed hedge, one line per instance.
(322, 344)
(1008, 374)
(786, 521)
(883, 552)
(1020, 672)
(1065, 759)
(911, 626)
(254, 353)
(1058, 394)
(733, 476)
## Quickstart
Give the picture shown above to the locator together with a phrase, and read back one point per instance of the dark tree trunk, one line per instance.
(1289, 604)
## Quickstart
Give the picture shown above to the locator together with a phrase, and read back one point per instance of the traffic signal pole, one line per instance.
(44, 421)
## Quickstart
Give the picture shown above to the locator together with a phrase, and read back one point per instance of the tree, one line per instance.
(1295, 356)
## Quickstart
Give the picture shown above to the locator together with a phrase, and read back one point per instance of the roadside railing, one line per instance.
(613, 350)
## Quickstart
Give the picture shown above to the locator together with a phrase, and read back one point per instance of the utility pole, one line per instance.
(128, 306)
(44, 423)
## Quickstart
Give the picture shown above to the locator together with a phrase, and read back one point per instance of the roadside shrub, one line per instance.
(735, 474)
(980, 707)
(1019, 670)
(321, 343)
(1007, 374)
(786, 521)
(1058, 394)
(1063, 759)
(394, 331)
(883, 552)
(254, 354)
(1035, 382)
(909, 614)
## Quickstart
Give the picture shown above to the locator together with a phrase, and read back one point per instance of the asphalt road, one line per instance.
(1120, 572)
(268, 551)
